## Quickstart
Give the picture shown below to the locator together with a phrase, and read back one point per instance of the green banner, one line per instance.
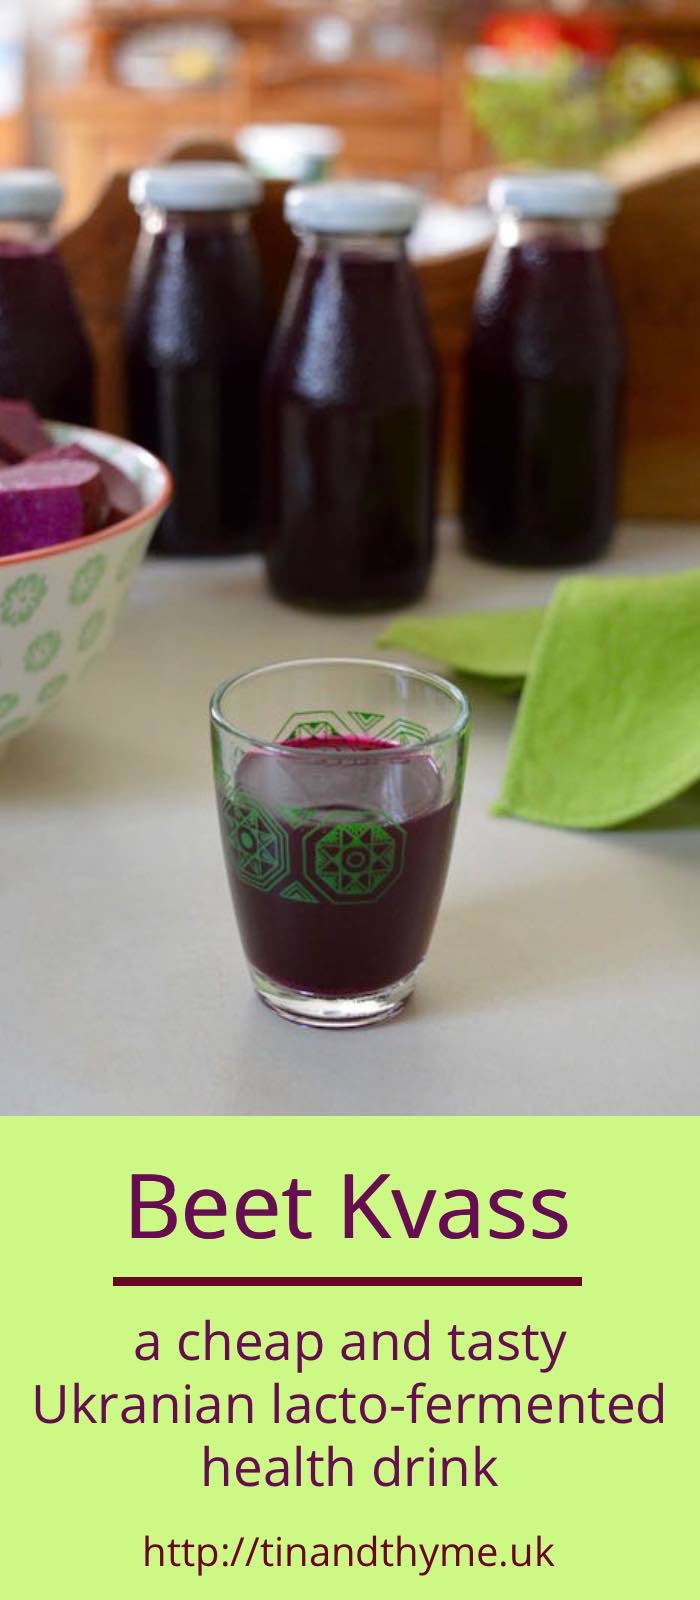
(424, 1355)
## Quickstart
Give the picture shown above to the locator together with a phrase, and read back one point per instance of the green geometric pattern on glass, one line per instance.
(91, 630)
(21, 598)
(297, 891)
(402, 731)
(227, 759)
(365, 720)
(313, 725)
(354, 860)
(8, 703)
(259, 843)
(330, 724)
(86, 579)
(40, 653)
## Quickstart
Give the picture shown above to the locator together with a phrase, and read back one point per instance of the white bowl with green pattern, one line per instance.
(58, 606)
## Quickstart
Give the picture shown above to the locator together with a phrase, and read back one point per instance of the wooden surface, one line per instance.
(389, 114)
(655, 250)
(239, 13)
(13, 140)
(94, 135)
(672, 28)
(97, 255)
(655, 254)
(448, 284)
(390, 126)
(397, 119)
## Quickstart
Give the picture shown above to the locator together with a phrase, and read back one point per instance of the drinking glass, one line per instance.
(338, 784)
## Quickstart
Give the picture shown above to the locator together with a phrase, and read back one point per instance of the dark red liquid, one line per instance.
(350, 425)
(196, 338)
(44, 353)
(544, 385)
(348, 885)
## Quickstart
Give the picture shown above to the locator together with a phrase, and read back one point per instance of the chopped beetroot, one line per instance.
(123, 496)
(51, 493)
(49, 502)
(22, 434)
(63, 452)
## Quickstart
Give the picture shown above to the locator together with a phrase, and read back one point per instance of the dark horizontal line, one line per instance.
(349, 1283)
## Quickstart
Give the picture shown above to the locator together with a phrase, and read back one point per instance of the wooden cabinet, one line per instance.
(397, 119)
(94, 134)
(13, 141)
(391, 113)
(98, 126)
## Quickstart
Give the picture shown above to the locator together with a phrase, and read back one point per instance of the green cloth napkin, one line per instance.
(494, 646)
(608, 727)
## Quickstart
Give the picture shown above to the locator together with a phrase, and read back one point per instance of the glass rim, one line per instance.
(457, 726)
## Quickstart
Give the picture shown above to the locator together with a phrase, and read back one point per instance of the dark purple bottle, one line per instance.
(351, 407)
(45, 357)
(196, 336)
(544, 377)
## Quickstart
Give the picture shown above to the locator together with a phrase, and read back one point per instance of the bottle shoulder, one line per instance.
(534, 308)
(352, 327)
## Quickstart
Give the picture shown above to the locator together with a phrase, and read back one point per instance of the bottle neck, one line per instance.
(156, 220)
(553, 233)
(365, 246)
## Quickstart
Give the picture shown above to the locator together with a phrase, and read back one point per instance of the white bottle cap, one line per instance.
(29, 194)
(195, 186)
(291, 151)
(346, 207)
(584, 196)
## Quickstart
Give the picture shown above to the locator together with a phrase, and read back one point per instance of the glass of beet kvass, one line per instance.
(338, 784)
(544, 376)
(350, 406)
(196, 336)
(45, 356)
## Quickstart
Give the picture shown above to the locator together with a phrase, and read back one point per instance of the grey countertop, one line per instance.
(564, 975)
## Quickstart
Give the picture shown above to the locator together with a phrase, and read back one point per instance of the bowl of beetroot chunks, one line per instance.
(51, 494)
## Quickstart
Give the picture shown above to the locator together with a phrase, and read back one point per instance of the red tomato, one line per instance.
(525, 34)
(593, 37)
(538, 33)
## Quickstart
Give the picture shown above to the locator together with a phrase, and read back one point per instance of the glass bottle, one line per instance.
(45, 357)
(196, 336)
(350, 406)
(544, 376)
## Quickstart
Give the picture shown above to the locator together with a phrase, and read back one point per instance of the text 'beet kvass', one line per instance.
(544, 376)
(196, 335)
(351, 406)
(45, 357)
(337, 832)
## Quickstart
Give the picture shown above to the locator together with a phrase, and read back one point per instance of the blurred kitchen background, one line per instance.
(437, 91)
